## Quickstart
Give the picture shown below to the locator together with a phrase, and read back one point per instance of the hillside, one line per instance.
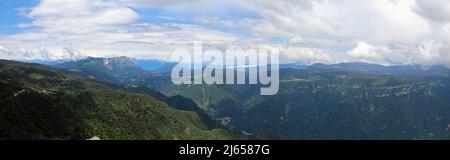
(353, 105)
(38, 102)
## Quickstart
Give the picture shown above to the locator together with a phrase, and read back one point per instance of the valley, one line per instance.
(346, 101)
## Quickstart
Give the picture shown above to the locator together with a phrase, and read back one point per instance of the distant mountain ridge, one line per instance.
(112, 69)
(379, 69)
(153, 65)
(149, 64)
(112, 64)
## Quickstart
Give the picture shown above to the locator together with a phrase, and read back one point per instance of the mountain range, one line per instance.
(40, 102)
(319, 101)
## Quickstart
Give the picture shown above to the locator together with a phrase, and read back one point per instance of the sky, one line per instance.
(388, 32)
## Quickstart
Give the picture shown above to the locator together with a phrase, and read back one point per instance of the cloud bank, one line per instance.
(326, 31)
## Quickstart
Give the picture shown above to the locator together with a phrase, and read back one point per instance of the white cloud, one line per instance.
(381, 31)
(4, 49)
(381, 21)
(18, 53)
(392, 31)
(368, 53)
(203, 7)
(432, 52)
(426, 53)
(306, 55)
(80, 16)
(103, 28)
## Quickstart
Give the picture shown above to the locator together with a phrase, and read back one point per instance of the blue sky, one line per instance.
(382, 31)
(10, 13)
(11, 10)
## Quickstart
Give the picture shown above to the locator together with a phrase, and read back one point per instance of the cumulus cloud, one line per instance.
(306, 55)
(427, 53)
(4, 49)
(368, 53)
(381, 21)
(19, 53)
(80, 16)
(384, 31)
(103, 28)
(432, 52)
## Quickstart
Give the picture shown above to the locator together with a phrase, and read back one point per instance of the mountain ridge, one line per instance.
(40, 102)
(345, 101)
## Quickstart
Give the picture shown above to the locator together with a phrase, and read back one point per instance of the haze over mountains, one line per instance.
(340, 101)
